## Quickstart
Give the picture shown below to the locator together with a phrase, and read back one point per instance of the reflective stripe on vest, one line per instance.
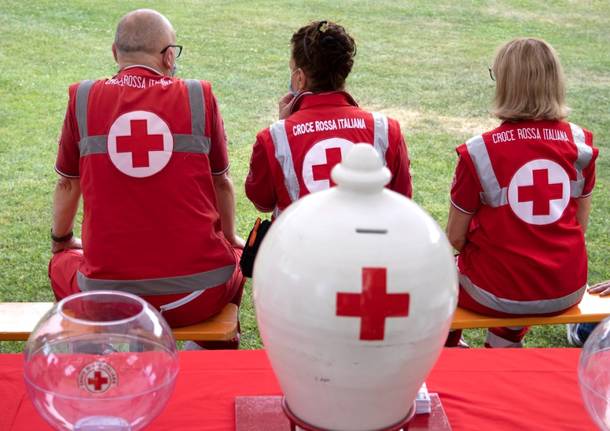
(197, 105)
(381, 140)
(183, 143)
(161, 286)
(539, 306)
(493, 195)
(585, 153)
(181, 302)
(283, 154)
(82, 100)
(496, 196)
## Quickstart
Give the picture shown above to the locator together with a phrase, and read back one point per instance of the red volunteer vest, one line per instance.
(526, 252)
(150, 225)
(312, 140)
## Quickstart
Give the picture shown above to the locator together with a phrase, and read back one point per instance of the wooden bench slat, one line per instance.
(592, 308)
(18, 319)
(221, 327)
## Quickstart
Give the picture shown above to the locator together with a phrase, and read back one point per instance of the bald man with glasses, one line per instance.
(147, 151)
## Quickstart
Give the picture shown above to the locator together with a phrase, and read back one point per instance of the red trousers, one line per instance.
(64, 265)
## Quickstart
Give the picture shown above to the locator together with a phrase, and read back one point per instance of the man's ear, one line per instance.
(114, 53)
(168, 59)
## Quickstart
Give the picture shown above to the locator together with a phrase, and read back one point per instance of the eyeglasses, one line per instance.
(178, 49)
(491, 74)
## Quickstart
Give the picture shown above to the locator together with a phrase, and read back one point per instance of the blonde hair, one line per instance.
(529, 82)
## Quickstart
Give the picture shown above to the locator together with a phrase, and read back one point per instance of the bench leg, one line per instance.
(232, 344)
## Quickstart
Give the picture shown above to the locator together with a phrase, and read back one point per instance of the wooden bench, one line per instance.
(18, 319)
(592, 308)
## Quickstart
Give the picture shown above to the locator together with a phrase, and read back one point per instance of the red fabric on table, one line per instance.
(481, 389)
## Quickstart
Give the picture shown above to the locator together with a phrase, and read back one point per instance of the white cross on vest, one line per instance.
(539, 192)
(319, 161)
(140, 144)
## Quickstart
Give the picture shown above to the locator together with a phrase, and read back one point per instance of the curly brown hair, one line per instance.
(325, 52)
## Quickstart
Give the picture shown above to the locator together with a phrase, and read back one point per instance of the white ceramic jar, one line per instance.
(354, 288)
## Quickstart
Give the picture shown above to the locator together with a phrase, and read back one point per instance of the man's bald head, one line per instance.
(143, 30)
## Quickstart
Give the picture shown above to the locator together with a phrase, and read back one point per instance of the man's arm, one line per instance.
(582, 212)
(219, 166)
(65, 204)
(457, 227)
(225, 197)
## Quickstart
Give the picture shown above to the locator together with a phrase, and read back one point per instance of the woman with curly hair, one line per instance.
(319, 122)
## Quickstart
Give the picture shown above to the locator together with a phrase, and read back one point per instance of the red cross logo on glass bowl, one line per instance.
(539, 192)
(140, 144)
(97, 377)
(98, 382)
(320, 160)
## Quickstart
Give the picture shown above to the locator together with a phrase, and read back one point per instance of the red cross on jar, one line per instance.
(374, 304)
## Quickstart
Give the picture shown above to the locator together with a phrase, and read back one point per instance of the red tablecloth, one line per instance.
(481, 389)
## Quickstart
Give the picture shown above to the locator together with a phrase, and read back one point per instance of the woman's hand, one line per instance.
(602, 288)
(285, 105)
(237, 242)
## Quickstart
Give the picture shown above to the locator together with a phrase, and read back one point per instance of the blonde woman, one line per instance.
(521, 197)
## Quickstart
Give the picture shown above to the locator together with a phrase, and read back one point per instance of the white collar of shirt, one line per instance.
(152, 69)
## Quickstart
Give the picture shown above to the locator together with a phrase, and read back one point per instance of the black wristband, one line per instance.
(66, 237)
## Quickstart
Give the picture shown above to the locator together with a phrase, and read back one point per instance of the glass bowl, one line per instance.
(100, 361)
(594, 374)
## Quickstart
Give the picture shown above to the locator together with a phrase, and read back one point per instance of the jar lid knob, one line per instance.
(362, 170)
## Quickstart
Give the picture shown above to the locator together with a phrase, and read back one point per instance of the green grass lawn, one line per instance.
(425, 63)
